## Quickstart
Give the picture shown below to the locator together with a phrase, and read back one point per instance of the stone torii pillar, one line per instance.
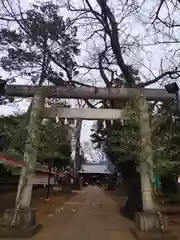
(20, 222)
(149, 219)
(23, 198)
(146, 161)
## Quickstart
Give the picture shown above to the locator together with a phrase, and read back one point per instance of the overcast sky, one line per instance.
(152, 60)
(22, 105)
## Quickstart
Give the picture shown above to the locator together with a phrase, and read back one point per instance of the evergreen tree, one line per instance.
(40, 47)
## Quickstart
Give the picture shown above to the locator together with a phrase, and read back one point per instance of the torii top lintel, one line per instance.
(151, 94)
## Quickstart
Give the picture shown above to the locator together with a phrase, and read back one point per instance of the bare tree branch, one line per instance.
(171, 74)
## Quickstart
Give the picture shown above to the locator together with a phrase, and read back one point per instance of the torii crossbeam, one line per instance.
(151, 94)
(84, 113)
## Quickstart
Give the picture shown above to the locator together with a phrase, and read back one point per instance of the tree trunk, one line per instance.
(23, 198)
(49, 181)
(134, 201)
(132, 179)
(75, 145)
(169, 184)
(78, 143)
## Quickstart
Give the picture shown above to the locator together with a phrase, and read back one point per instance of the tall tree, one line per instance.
(115, 43)
(40, 47)
(165, 140)
(54, 144)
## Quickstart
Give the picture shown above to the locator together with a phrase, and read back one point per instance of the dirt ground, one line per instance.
(171, 210)
(85, 205)
(173, 213)
(43, 208)
(91, 214)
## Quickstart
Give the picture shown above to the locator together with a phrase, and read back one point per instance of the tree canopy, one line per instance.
(122, 138)
(41, 47)
(54, 145)
(165, 138)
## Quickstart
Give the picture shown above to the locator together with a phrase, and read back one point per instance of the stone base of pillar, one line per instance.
(148, 221)
(148, 227)
(25, 225)
(167, 235)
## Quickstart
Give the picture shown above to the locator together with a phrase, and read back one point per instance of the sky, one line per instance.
(22, 106)
(152, 60)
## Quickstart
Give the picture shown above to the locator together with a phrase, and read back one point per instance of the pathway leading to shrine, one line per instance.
(89, 215)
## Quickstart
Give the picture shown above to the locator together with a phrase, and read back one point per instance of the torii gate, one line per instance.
(39, 111)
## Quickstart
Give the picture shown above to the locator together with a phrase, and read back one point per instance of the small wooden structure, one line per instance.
(41, 172)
